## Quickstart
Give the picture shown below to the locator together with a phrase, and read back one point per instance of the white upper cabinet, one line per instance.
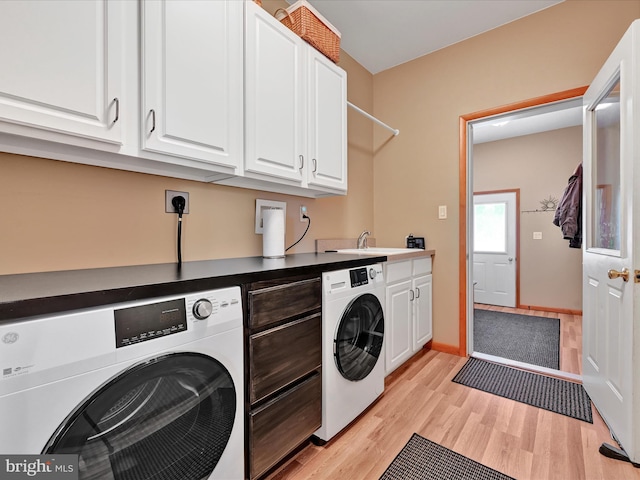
(327, 127)
(192, 85)
(62, 70)
(295, 111)
(275, 98)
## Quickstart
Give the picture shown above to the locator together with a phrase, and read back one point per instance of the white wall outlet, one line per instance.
(261, 205)
(303, 211)
(537, 235)
(168, 197)
(442, 212)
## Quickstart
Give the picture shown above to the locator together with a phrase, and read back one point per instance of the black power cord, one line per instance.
(179, 203)
(305, 232)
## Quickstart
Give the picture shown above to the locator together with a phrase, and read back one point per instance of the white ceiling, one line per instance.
(554, 116)
(380, 34)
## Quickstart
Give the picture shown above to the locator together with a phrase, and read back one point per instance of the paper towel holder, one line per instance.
(262, 205)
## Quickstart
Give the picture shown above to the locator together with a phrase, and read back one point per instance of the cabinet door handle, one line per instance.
(417, 292)
(117, 102)
(301, 162)
(412, 295)
(152, 112)
(315, 165)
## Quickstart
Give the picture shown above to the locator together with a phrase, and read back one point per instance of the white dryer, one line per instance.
(139, 390)
(353, 339)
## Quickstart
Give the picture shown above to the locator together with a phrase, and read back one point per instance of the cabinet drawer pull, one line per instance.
(117, 102)
(315, 165)
(412, 295)
(417, 292)
(152, 112)
(301, 162)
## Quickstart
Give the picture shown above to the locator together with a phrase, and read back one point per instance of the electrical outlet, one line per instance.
(303, 211)
(168, 196)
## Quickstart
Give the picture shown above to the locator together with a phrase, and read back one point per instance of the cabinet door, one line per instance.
(398, 325)
(62, 69)
(327, 127)
(422, 311)
(192, 79)
(274, 95)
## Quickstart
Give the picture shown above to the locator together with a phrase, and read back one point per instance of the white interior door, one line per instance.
(610, 312)
(494, 248)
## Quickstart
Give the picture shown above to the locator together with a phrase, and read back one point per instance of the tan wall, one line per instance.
(58, 215)
(539, 165)
(556, 49)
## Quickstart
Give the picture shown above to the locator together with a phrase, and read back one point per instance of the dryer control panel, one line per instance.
(148, 322)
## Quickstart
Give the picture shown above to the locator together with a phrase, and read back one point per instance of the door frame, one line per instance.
(465, 182)
(515, 191)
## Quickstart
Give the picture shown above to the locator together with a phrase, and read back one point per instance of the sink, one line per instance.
(377, 251)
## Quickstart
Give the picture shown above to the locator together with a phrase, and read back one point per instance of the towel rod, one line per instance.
(371, 117)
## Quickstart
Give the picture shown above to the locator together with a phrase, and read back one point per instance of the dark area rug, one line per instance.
(422, 459)
(553, 394)
(524, 338)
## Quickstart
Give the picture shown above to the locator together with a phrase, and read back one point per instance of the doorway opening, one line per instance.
(491, 127)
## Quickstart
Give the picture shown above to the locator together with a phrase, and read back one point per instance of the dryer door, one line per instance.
(359, 337)
(166, 418)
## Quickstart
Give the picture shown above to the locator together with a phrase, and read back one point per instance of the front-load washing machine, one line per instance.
(353, 339)
(139, 390)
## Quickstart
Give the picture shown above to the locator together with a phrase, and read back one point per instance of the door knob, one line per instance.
(624, 274)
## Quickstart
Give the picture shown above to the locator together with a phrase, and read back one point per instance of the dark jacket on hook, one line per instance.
(569, 212)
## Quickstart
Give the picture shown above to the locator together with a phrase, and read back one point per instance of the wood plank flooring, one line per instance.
(519, 440)
(570, 334)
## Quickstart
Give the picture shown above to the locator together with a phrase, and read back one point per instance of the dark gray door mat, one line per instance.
(553, 394)
(524, 338)
(422, 459)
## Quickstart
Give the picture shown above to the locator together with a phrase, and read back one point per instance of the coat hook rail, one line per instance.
(371, 117)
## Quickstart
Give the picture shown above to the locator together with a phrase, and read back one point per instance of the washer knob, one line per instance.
(372, 273)
(202, 309)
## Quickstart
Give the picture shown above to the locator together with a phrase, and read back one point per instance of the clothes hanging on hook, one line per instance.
(569, 212)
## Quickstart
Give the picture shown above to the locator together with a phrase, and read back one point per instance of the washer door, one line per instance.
(359, 337)
(164, 419)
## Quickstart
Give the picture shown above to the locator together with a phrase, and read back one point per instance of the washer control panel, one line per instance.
(358, 277)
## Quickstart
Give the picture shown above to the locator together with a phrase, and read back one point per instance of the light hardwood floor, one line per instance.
(519, 440)
(570, 334)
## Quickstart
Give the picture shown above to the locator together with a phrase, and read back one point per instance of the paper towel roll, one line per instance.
(273, 233)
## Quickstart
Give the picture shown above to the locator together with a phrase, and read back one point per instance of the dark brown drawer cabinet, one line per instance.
(284, 365)
(272, 304)
(282, 355)
(280, 426)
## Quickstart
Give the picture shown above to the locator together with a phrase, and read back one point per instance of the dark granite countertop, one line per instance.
(33, 294)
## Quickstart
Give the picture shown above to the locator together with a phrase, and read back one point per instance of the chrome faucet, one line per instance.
(362, 239)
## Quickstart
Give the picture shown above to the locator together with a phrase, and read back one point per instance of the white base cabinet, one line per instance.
(408, 317)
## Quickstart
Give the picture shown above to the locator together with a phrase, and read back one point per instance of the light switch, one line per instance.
(442, 212)
(537, 235)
